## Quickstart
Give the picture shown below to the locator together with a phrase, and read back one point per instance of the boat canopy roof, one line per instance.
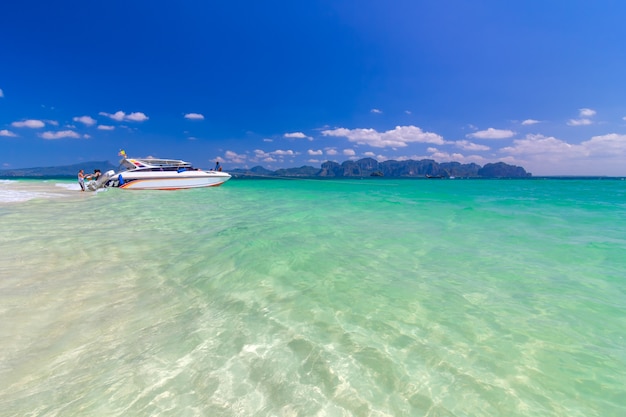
(134, 163)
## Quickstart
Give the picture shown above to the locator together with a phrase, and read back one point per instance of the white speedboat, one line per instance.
(159, 174)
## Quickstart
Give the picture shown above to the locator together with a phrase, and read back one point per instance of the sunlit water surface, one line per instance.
(314, 298)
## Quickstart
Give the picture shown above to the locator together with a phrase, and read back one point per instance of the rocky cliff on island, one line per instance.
(369, 167)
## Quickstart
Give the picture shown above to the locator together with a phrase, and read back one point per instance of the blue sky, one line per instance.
(282, 83)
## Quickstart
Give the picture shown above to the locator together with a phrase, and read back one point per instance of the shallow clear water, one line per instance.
(316, 298)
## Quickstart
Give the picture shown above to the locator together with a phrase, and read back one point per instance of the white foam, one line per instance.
(18, 191)
(14, 196)
(72, 187)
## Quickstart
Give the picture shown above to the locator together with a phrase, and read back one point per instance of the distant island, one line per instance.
(367, 167)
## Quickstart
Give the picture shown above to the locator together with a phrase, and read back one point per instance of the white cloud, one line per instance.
(407, 111)
(331, 151)
(470, 146)
(33, 124)
(349, 152)
(579, 122)
(194, 116)
(121, 116)
(376, 111)
(612, 144)
(401, 136)
(60, 135)
(86, 120)
(538, 145)
(118, 116)
(105, 127)
(137, 117)
(492, 133)
(541, 155)
(273, 156)
(235, 157)
(312, 152)
(7, 133)
(297, 135)
(280, 152)
(528, 122)
(442, 156)
(583, 120)
(586, 112)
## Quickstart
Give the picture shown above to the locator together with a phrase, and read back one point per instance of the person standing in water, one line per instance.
(81, 179)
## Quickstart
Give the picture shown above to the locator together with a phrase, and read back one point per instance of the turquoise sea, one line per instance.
(371, 297)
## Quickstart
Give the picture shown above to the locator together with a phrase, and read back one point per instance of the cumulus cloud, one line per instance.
(105, 127)
(281, 152)
(492, 133)
(235, 157)
(349, 152)
(297, 135)
(600, 155)
(194, 116)
(137, 117)
(86, 120)
(539, 145)
(7, 133)
(584, 118)
(262, 155)
(312, 152)
(60, 135)
(120, 116)
(273, 156)
(612, 145)
(400, 137)
(331, 151)
(528, 122)
(586, 112)
(33, 124)
(470, 146)
(376, 111)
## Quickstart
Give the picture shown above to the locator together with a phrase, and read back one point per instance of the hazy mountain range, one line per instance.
(425, 168)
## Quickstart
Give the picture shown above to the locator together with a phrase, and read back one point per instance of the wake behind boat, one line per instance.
(158, 174)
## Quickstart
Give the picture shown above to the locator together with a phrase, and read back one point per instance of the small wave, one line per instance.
(7, 181)
(15, 196)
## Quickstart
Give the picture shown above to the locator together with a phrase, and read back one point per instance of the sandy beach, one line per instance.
(15, 191)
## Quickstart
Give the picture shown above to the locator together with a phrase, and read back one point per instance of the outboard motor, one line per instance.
(101, 182)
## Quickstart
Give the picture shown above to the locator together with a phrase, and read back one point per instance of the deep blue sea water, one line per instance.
(371, 297)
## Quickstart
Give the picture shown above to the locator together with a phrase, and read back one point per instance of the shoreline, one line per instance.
(26, 189)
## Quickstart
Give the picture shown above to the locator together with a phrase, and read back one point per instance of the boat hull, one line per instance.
(171, 180)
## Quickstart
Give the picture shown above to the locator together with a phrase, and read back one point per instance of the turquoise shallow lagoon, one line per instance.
(315, 298)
